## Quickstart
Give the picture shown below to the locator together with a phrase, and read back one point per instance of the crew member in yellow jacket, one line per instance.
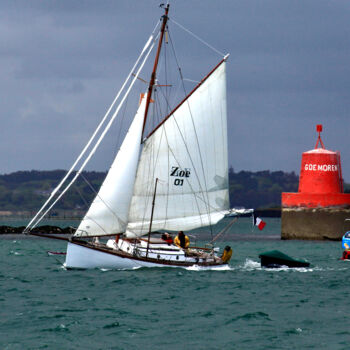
(227, 254)
(181, 240)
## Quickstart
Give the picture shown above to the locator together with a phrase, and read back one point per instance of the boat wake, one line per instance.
(104, 269)
(251, 265)
(209, 268)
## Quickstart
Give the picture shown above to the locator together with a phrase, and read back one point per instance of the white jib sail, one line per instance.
(108, 213)
(188, 154)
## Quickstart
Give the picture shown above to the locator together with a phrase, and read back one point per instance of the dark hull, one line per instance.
(276, 259)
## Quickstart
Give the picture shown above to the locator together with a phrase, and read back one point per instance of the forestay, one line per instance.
(188, 154)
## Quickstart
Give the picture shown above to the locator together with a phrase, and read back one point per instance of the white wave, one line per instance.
(15, 253)
(209, 268)
(251, 265)
(286, 268)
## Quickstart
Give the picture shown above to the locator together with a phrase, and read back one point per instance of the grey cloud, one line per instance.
(62, 61)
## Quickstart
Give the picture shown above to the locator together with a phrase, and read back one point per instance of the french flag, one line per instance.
(261, 224)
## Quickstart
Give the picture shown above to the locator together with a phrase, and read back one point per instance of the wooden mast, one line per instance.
(150, 224)
(153, 76)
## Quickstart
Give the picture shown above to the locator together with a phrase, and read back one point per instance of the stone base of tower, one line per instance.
(313, 224)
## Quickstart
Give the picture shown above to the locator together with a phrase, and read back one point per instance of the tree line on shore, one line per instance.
(27, 190)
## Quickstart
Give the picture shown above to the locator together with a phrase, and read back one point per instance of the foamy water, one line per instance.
(241, 306)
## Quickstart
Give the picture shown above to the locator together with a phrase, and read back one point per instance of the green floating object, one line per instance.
(275, 259)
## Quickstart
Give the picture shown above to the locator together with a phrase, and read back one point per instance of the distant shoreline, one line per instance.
(267, 213)
(241, 237)
(47, 229)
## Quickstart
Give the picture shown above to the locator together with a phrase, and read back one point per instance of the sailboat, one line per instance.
(175, 178)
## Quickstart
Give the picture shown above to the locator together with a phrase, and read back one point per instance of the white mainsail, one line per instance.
(188, 154)
(108, 213)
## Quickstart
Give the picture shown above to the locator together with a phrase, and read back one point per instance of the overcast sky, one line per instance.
(62, 62)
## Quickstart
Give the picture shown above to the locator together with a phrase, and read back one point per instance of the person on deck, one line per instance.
(227, 254)
(167, 238)
(346, 252)
(181, 240)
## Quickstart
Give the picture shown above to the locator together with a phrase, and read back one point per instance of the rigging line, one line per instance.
(57, 260)
(197, 140)
(53, 193)
(157, 116)
(100, 138)
(155, 160)
(195, 194)
(190, 185)
(158, 113)
(166, 61)
(98, 196)
(197, 37)
(41, 247)
(90, 218)
(199, 183)
(82, 197)
(121, 126)
(164, 19)
(168, 187)
(201, 160)
(167, 86)
(142, 221)
(168, 158)
(200, 198)
(166, 95)
(167, 193)
(224, 230)
(194, 129)
(151, 175)
(179, 164)
(167, 98)
(192, 81)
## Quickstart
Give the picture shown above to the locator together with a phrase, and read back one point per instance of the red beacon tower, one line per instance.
(320, 182)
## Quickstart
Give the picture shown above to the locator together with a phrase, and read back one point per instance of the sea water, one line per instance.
(44, 306)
